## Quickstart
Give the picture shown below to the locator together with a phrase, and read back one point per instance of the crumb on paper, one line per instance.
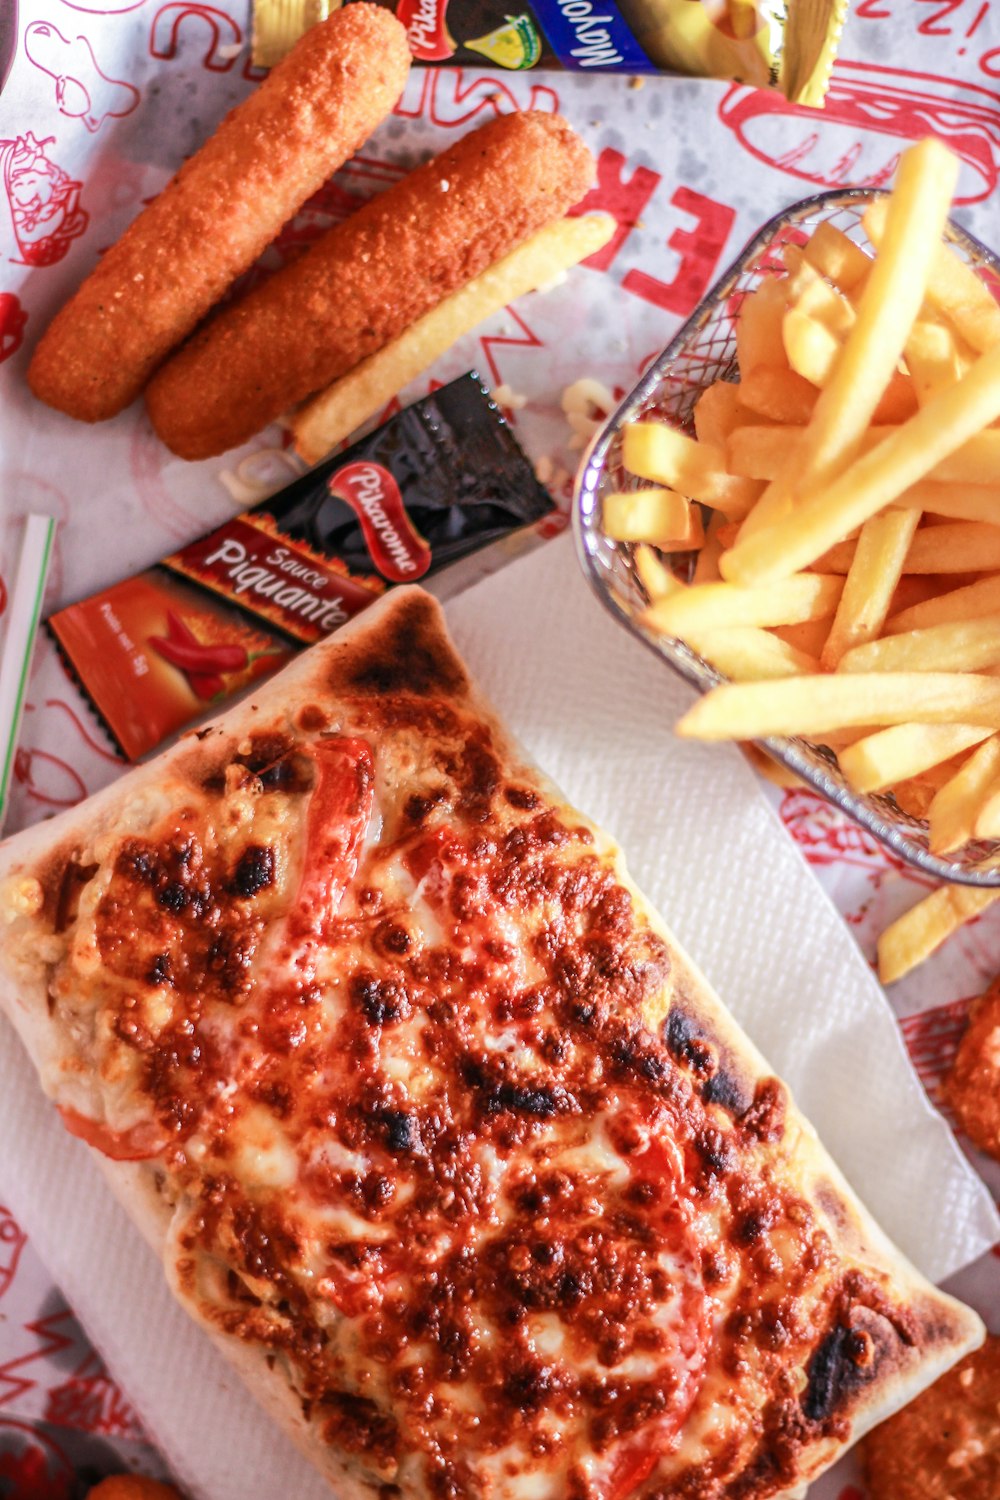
(636, 82)
(505, 395)
(231, 49)
(551, 474)
(587, 403)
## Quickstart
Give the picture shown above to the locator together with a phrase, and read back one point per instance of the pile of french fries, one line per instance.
(843, 496)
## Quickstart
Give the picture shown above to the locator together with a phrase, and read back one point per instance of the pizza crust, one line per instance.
(401, 644)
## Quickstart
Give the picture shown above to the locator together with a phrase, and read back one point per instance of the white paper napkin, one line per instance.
(596, 712)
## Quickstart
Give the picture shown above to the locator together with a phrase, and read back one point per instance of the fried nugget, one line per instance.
(972, 1088)
(946, 1444)
(223, 208)
(366, 280)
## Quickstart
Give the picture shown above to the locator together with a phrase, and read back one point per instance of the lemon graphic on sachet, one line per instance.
(516, 45)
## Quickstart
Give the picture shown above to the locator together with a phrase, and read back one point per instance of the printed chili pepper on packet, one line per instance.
(442, 479)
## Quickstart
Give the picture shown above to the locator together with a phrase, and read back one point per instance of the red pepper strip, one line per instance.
(340, 806)
(178, 631)
(137, 1144)
(204, 687)
(203, 660)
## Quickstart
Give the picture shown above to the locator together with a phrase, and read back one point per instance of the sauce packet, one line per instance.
(439, 481)
(784, 44)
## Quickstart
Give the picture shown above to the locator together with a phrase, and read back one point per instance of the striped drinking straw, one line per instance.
(19, 640)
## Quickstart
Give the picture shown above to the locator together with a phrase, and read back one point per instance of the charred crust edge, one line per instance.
(407, 651)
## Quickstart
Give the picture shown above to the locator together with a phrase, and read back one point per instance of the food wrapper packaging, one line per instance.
(705, 846)
(434, 484)
(766, 43)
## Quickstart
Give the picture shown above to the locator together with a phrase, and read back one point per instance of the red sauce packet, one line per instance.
(442, 479)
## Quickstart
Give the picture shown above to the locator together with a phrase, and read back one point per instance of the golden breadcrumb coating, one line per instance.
(946, 1444)
(220, 211)
(366, 280)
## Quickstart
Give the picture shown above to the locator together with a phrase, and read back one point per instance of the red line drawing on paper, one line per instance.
(828, 837)
(32, 1466)
(12, 1241)
(869, 114)
(490, 341)
(47, 779)
(224, 38)
(445, 97)
(12, 323)
(699, 251)
(82, 730)
(932, 1038)
(104, 7)
(623, 198)
(44, 201)
(90, 1401)
(50, 1341)
(83, 91)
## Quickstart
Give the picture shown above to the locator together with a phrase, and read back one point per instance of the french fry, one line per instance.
(955, 547)
(968, 603)
(951, 417)
(933, 358)
(951, 817)
(884, 474)
(706, 568)
(731, 494)
(875, 569)
(898, 402)
(749, 654)
(905, 751)
(961, 646)
(953, 288)
(779, 393)
(328, 418)
(653, 450)
(654, 576)
(806, 635)
(810, 348)
(987, 824)
(811, 706)
(837, 257)
(758, 324)
(893, 292)
(967, 502)
(915, 935)
(714, 606)
(761, 451)
(718, 410)
(807, 290)
(659, 516)
(839, 559)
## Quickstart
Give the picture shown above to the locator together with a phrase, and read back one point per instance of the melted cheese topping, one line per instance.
(504, 1238)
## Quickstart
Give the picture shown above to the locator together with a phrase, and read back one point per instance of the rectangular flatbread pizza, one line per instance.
(439, 1134)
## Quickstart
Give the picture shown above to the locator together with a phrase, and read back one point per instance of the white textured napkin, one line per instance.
(595, 711)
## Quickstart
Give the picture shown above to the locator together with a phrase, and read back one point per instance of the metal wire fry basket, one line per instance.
(702, 352)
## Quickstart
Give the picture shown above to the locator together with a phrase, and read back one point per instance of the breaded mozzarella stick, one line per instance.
(219, 212)
(366, 280)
